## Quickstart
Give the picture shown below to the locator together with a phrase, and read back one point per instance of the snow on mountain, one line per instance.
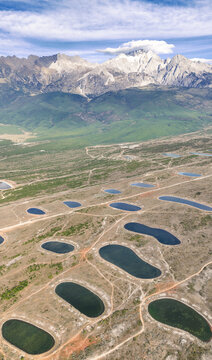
(75, 75)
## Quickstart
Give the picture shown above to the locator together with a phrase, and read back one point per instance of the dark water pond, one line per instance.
(127, 260)
(27, 337)
(187, 202)
(58, 247)
(1, 240)
(125, 206)
(163, 236)
(143, 185)
(72, 204)
(189, 174)
(81, 298)
(175, 313)
(4, 186)
(201, 154)
(175, 156)
(35, 211)
(112, 191)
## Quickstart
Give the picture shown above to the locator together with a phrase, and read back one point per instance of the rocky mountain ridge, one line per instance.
(73, 74)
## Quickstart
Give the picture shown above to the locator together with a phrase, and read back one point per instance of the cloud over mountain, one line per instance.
(159, 47)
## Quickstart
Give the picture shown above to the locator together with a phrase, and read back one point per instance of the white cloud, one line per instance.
(159, 47)
(77, 20)
(206, 61)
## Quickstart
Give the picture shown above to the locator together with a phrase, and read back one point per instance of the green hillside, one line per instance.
(127, 115)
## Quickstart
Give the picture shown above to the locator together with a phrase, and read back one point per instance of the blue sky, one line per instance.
(79, 27)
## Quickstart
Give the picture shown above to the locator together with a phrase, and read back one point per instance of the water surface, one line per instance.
(127, 260)
(35, 211)
(143, 185)
(125, 206)
(189, 174)
(1, 240)
(72, 204)
(27, 337)
(112, 191)
(201, 154)
(179, 315)
(4, 186)
(187, 202)
(163, 236)
(175, 156)
(81, 298)
(58, 247)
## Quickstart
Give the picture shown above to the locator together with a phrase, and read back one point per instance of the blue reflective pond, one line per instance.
(143, 185)
(163, 236)
(112, 191)
(4, 186)
(1, 240)
(125, 206)
(172, 155)
(127, 260)
(189, 174)
(187, 202)
(201, 154)
(58, 247)
(72, 204)
(35, 211)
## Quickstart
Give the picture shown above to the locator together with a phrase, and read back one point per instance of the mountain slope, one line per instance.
(72, 74)
(125, 115)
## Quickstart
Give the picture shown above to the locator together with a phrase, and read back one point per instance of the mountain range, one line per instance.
(72, 74)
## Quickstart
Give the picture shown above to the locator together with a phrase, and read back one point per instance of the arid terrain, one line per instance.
(43, 177)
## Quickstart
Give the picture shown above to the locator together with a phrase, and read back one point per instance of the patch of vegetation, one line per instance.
(49, 234)
(78, 229)
(35, 267)
(10, 293)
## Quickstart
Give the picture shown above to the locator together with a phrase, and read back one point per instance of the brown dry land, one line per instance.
(125, 330)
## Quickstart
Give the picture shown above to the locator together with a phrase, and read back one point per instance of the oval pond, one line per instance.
(27, 337)
(143, 185)
(125, 206)
(179, 315)
(5, 186)
(201, 154)
(72, 204)
(1, 240)
(112, 191)
(175, 156)
(81, 298)
(35, 211)
(58, 247)
(187, 202)
(189, 174)
(127, 260)
(163, 236)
